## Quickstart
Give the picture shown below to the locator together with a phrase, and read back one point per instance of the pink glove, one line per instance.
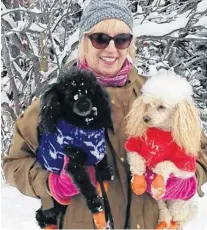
(61, 185)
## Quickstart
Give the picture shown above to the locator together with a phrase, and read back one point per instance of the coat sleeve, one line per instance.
(201, 171)
(20, 166)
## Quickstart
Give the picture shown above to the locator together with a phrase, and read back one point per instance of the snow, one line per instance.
(149, 28)
(35, 11)
(4, 97)
(21, 25)
(95, 111)
(76, 97)
(31, 11)
(202, 22)
(73, 55)
(73, 83)
(18, 211)
(202, 6)
(9, 20)
(197, 37)
(37, 28)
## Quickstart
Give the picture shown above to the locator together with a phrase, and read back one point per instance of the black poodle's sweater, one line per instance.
(50, 153)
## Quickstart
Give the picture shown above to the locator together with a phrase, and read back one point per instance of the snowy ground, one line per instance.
(17, 211)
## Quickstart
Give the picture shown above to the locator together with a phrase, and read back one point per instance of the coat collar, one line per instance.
(120, 97)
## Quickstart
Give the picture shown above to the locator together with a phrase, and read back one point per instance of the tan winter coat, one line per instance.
(24, 172)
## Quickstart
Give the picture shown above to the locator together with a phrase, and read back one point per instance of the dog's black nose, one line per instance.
(84, 105)
(146, 119)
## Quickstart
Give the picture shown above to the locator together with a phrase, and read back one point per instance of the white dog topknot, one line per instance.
(168, 87)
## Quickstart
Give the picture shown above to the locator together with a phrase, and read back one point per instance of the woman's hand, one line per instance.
(62, 187)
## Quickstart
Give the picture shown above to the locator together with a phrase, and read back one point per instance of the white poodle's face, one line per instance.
(158, 114)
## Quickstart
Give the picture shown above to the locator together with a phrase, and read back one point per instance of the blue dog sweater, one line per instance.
(50, 153)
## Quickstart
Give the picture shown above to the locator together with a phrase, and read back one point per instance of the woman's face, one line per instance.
(108, 61)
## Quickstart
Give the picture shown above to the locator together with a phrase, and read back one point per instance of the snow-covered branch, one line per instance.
(29, 11)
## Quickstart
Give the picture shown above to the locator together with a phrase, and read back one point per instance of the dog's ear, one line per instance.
(135, 126)
(102, 102)
(49, 109)
(186, 128)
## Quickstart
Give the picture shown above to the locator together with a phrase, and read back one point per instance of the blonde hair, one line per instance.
(108, 25)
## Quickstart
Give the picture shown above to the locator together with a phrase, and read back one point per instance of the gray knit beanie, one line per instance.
(99, 10)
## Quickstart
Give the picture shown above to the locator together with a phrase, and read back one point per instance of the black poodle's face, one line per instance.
(78, 98)
(78, 92)
(83, 95)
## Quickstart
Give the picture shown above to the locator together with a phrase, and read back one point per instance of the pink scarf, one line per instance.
(119, 79)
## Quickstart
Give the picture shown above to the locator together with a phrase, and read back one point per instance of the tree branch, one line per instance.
(21, 10)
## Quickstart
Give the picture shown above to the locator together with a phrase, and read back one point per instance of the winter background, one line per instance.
(39, 37)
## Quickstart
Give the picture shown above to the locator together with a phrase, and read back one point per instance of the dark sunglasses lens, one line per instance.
(122, 41)
(99, 40)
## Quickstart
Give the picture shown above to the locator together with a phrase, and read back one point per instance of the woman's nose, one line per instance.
(111, 46)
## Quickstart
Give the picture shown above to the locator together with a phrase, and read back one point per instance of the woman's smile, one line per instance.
(109, 60)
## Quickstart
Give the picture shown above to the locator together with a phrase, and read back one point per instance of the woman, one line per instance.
(106, 48)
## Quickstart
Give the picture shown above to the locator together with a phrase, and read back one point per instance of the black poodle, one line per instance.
(78, 99)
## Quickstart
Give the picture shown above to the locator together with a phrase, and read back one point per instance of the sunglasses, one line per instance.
(101, 40)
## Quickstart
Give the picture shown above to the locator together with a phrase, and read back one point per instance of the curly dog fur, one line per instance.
(79, 99)
(61, 100)
(166, 104)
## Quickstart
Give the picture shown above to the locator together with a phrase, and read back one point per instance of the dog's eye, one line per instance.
(161, 107)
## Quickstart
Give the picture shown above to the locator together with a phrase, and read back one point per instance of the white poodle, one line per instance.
(164, 140)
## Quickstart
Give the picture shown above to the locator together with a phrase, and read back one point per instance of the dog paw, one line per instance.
(51, 227)
(138, 184)
(99, 220)
(95, 204)
(158, 187)
(174, 225)
(47, 218)
(162, 225)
